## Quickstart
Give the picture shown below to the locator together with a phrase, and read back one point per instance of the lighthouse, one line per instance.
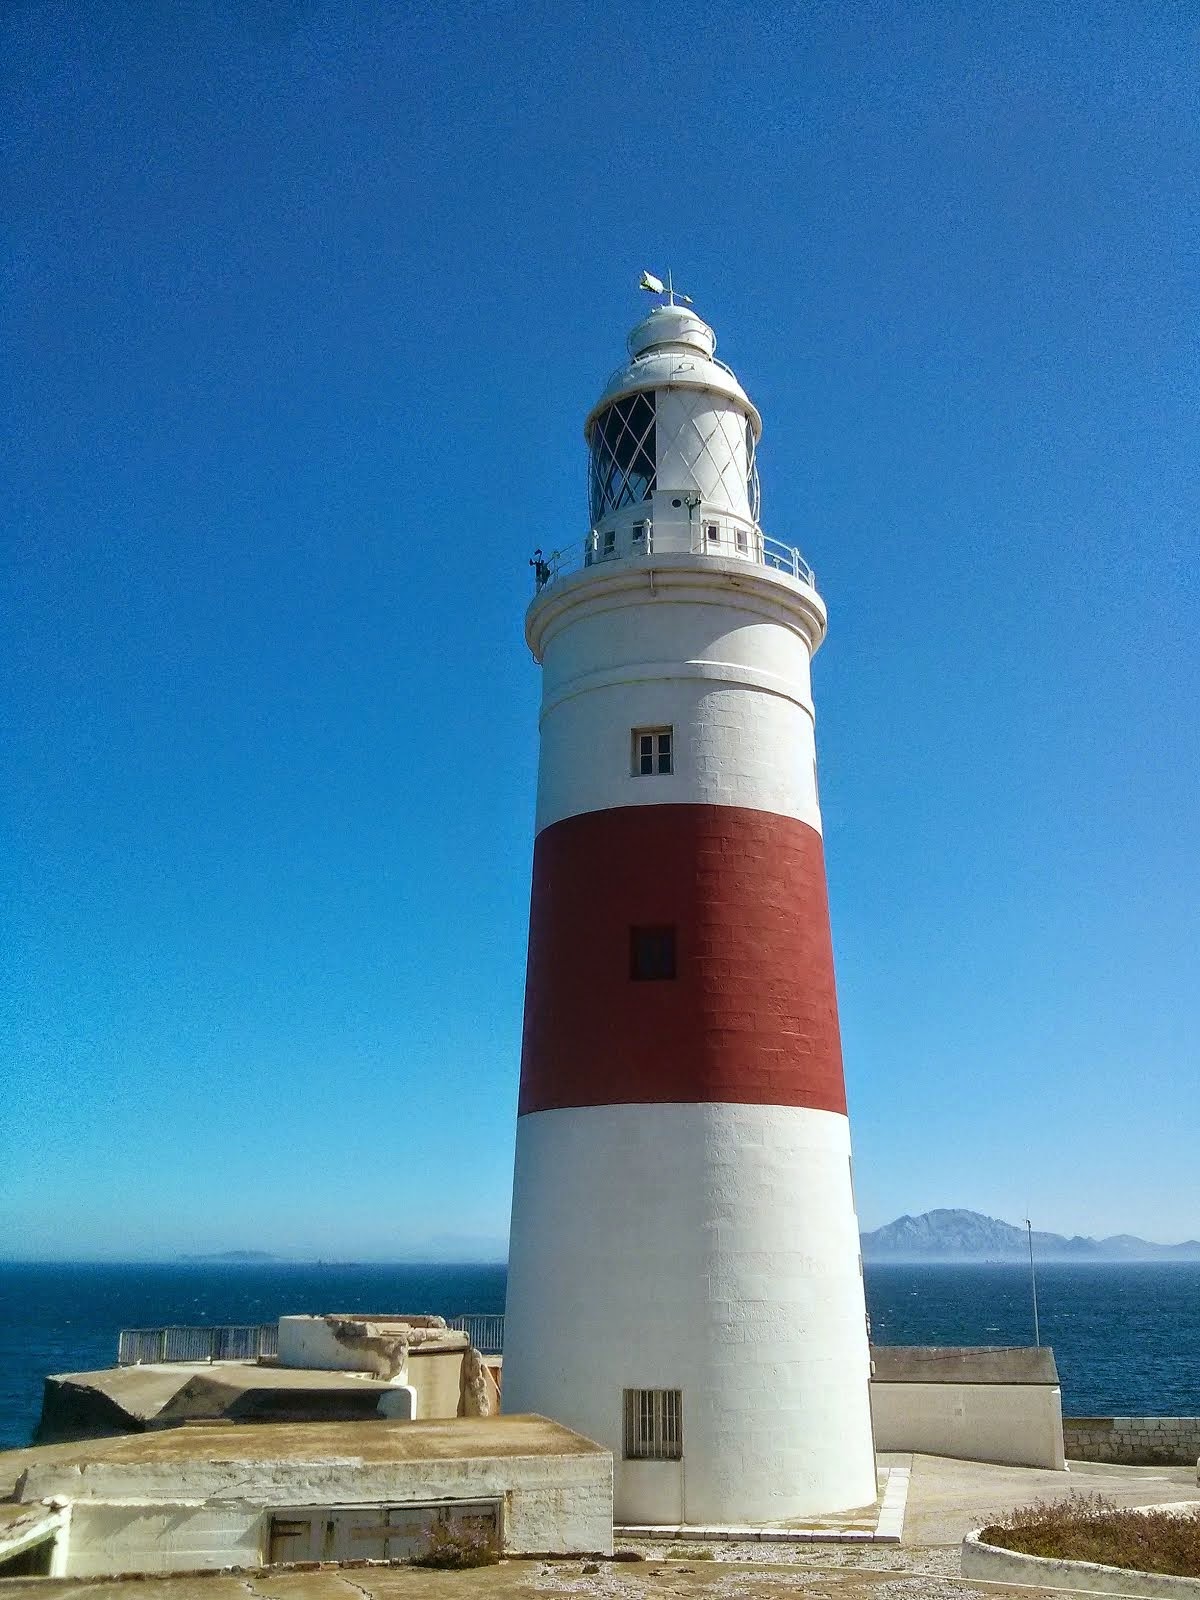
(685, 1283)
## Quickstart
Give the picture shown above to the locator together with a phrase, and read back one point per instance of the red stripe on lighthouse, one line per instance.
(751, 1016)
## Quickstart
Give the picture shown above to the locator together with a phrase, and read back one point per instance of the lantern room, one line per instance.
(672, 444)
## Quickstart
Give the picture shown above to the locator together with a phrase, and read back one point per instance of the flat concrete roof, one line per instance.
(448, 1439)
(920, 1363)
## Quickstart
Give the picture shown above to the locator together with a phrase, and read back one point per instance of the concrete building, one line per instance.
(301, 1369)
(196, 1499)
(684, 1282)
(978, 1403)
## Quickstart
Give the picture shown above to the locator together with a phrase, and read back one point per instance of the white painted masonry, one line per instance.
(733, 683)
(731, 746)
(110, 1536)
(711, 1248)
(1013, 1424)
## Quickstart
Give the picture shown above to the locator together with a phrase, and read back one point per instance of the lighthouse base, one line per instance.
(705, 1256)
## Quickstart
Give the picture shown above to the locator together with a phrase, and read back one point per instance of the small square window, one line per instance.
(639, 532)
(608, 541)
(653, 1429)
(653, 752)
(743, 542)
(651, 954)
(712, 532)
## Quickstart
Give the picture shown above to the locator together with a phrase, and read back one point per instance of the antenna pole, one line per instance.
(1037, 1336)
(670, 288)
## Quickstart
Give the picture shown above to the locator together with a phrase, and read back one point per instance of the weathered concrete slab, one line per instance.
(449, 1439)
(919, 1363)
(22, 1527)
(116, 1400)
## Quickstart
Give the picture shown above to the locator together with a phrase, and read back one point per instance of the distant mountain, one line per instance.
(233, 1257)
(966, 1235)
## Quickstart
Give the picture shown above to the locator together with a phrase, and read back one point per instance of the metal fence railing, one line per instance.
(713, 535)
(484, 1329)
(251, 1341)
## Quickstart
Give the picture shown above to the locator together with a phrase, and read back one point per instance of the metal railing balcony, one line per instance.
(243, 1341)
(711, 536)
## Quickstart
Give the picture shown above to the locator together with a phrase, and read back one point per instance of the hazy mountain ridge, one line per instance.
(947, 1235)
(233, 1257)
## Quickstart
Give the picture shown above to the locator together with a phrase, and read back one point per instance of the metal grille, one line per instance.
(653, 1424)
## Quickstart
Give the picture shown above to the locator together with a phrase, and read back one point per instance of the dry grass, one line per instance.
(453, 1548)
(1091, 1528)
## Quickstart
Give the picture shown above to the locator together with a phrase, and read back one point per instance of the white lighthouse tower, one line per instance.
(685, 1284)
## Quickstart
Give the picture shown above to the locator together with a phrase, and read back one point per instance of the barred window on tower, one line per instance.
(653, 1425)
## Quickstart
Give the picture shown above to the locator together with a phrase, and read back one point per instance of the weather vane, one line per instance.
(654, 285)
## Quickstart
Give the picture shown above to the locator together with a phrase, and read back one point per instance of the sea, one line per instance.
(1126, 1336)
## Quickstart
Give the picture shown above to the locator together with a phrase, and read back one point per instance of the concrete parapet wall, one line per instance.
(1012, 1424)
(1133, 1441)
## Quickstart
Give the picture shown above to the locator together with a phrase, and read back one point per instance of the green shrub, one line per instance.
(1091, 1528)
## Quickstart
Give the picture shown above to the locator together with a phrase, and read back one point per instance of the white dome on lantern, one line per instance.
(674, 325)
(673, 348)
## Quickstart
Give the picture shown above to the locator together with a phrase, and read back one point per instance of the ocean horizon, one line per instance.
(1126, 1335)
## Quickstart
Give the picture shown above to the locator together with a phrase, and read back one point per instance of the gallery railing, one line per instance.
(712, 536)
(253, 1341)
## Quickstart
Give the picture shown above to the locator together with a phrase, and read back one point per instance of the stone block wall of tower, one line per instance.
(686, 662)
(683, 1213)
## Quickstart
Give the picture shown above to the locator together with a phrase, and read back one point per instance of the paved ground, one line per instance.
(946, 1500)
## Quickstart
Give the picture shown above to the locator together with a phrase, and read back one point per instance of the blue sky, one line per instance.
(304, 305)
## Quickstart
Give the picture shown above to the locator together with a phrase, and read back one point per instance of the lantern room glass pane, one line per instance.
(623, 455)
